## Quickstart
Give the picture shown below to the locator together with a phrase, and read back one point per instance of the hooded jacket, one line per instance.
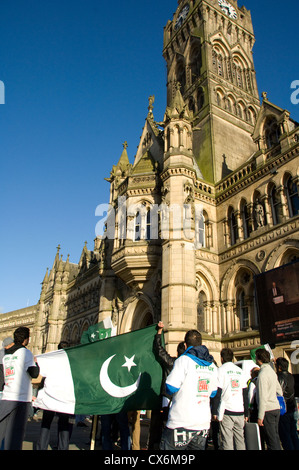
(192, 382)
(200, 354)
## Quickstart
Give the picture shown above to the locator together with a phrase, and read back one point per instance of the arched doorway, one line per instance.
(139, 314)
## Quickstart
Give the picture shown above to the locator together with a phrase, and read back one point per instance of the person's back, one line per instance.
(16, 362)
(287, 383)
(192, 382)
(19, 367)
(268, 388)
(230, 406)
(232, 381)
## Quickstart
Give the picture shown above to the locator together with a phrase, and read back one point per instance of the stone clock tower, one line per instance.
(209, 203)
(208, 50)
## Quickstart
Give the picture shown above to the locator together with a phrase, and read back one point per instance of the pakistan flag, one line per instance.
(120, 373)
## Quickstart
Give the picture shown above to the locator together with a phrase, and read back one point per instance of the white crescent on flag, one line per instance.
(111, 388)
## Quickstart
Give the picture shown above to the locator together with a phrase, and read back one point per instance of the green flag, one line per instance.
(117, 374)
(264, 346)
(102, 330)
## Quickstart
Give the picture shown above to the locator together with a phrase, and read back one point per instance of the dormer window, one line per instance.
(272, 132)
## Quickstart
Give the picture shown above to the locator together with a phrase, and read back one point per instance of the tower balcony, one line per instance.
(135, 261)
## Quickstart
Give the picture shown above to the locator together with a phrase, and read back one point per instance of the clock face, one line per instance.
(182, 16)
(228, 9)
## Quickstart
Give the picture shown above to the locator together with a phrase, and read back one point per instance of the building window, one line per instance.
(220, 65)
(181, 76)
(275, 204)
(192, 104)
(148, 225)
(200, 99)
(239, 77)
(137, 233)
(234, 233)
(246, 221)
(292, 197)
(272, 133)
(243, 311)
(201, 235)
(202, 302)
(195, 63)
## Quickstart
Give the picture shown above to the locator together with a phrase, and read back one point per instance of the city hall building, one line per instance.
(223, 147)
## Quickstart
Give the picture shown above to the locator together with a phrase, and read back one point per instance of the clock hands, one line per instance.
(182, 16)
(227, 8)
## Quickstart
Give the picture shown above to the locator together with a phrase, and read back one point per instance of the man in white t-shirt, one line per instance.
(19, 368)
(192, 382)
(230, 406)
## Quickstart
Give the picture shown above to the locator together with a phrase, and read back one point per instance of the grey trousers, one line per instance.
(13, 422)
(232, 432)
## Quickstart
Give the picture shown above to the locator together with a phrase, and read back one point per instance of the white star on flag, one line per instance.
(129, 362)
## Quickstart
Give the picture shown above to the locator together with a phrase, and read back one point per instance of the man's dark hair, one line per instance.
(263, 355)
(282, 363)
(63, 345)
(181, 348)
(227, 355)
(193, 338)
(21, 334)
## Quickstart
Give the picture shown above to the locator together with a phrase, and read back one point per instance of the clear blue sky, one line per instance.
(77, 75)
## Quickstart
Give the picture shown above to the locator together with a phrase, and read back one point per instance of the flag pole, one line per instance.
(93, 432)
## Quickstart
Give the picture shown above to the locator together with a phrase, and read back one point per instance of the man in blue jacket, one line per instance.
(192, 382)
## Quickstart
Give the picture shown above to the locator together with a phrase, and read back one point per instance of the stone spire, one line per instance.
(178, 108)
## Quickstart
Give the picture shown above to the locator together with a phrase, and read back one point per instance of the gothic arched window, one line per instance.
(275, 204)
(292, 197)
(201, 231)
(202, 301)
(200, 99)
(195, 63)
(137, 227)
(181, 75)
(191, 104)
(220, 65)
(245, 220)
(233, 225)
(272, 132)
(148, 225)
(239, 77)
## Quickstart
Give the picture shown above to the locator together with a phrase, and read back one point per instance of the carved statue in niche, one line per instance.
(259, 214)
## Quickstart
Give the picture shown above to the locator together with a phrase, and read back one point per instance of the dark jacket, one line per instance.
(165, 360)
(287, 383)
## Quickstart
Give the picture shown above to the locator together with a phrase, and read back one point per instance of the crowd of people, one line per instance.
(201, 401)
(220, 403)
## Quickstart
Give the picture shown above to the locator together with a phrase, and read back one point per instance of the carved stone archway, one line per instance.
(139, 314)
